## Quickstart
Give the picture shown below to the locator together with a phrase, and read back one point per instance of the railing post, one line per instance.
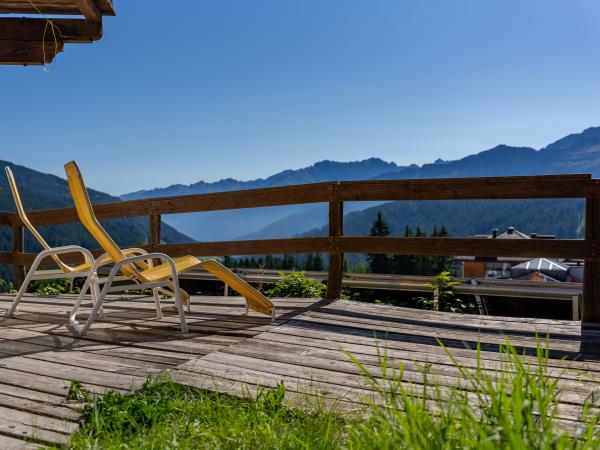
(18, 246)
(336, 260)
(154, 234)
(154, 230)
(591, 277)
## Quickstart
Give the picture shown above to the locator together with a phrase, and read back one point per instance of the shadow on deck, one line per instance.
(230, 352)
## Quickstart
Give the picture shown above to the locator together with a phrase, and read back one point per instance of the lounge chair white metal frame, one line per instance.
(94, 282)
(34, 274)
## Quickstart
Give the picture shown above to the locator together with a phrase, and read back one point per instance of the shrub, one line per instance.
(443, 296)
(51, 287)
(6, 287)
(297, 285)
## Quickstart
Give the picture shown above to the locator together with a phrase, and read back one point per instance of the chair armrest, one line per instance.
(132, 259)
(66, 249)
(105, 259)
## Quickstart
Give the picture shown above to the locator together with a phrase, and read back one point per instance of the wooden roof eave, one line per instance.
(25, 41)
(58, 7)
(37, 41)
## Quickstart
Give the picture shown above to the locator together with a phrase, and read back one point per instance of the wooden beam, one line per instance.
(521, 248)
(591, 276)
(228, 248)
(5, 219)
(18, 247)
(52, 7)
(26, 41)
(251, 198)
(563, 186)
(154, 230)
(38, 30)
(90, 10)
(29, 52)
(553, 186)
(336, 260)
(249, 247)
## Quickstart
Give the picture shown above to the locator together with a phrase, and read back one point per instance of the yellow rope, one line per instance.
(53, 27)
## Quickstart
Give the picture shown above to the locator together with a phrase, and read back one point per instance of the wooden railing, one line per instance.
(336, 244)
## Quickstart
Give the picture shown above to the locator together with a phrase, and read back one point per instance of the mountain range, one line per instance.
(260, 222)
(576, 153)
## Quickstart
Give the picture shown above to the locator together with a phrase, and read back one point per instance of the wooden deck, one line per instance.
(229, 352)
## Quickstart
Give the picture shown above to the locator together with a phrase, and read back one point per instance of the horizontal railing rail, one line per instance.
(336, 244)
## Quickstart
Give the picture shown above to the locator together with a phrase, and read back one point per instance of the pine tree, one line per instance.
(380, 226)
(404, 264)
(379, 263)
(289, 262)
(421, 265)
(308, 264)
(440, 263)
(346, 265)
(318, 263)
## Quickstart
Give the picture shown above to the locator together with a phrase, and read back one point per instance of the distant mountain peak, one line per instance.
(576, 141)
(326, 170)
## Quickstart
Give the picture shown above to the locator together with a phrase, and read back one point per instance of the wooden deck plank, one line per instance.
(421, 348)
(23, 424)
(11, 443)
(373, 351)
(446, 373)
(45, 384)
(227, 351)
(39, 408)
(331, 384)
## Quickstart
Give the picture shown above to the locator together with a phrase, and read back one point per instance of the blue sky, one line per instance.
(178, 92)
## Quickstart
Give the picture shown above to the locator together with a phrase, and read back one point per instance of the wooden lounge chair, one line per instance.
(140, 271)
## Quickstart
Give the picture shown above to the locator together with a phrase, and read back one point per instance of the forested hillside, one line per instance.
(562, 217)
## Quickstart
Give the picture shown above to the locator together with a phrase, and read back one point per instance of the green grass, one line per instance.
(514, 407)
(167, 415)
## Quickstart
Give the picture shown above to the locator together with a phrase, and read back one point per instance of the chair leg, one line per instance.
(159, 314)
(184, 327)
(14, 307)
(95, 295)
(94, 311)
(73, 323)
(178, 301)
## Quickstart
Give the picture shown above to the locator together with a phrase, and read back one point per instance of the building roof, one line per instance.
(542, 264)
(509, 233)
(37, 40)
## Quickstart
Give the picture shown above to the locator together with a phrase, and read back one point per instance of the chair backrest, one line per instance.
(88, 218)
(23, 216)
